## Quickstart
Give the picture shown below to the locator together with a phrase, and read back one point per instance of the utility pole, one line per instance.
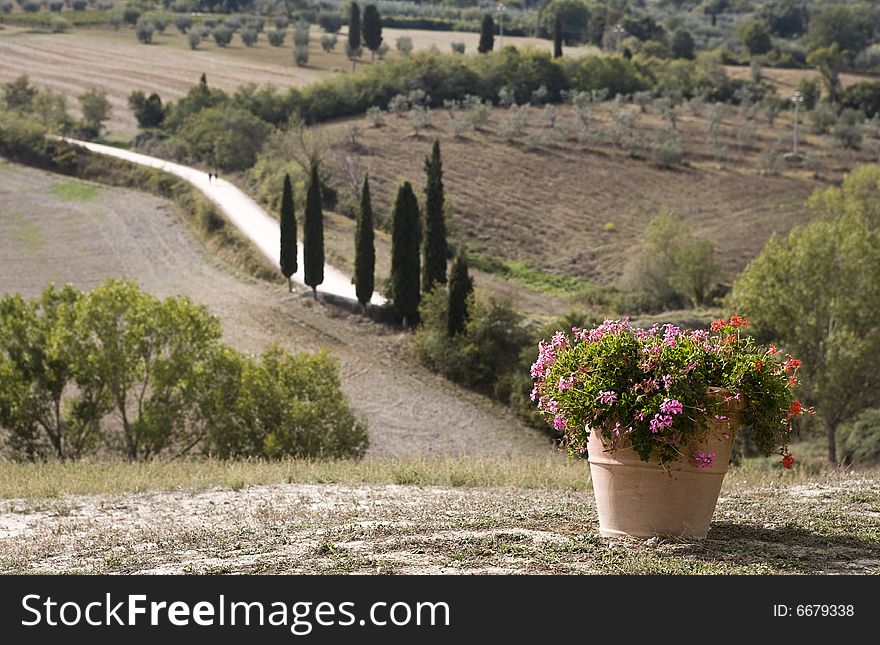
(797, 98)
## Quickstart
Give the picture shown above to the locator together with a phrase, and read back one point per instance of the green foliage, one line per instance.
(653, 389)
(147, 110)
(183, 22)
(435, 222)
(830, 62)
(754, 37)
(199, 97)
(226, 137)
(846, 27)
(863, 96)
(71, 361)
(354, 27)
(18, 95)
(860, 438)
(822, 118)
(249, 37)
(144, 30)
(276, 38)
(194, 40)
(313, 233)
(282, 406)
(810, 90)
(222, 36)
(288, 231)
(328, 42)
(49, 404)
(301, 55)
(461, 286)
(527, 276)
(95, 110)
(482, 357)
(567, 19)
(405, 242)
(372, 28)
(487, 35)
(557, 37)
(672, 266)
(815, 293)
(364, 248)
(785, 18)
(682, 45)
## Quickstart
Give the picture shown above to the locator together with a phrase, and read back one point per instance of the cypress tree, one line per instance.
(405, 234)
(313, 235)
(372, 29)
(435, 226)
(557, 37)
(460, 287)
(364, 249)
(354, 26)
(288, 233)
(487, 35)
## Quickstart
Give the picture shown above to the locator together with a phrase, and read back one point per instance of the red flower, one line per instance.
(795, 408)
(788, 461)
(791, 364)
(730, 339)
(718, 324)
(759, 365)
(792, 380)
(773, 349)
(736, 321)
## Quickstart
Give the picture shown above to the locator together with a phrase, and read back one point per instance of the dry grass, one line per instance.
(442, 516)
(786, 80)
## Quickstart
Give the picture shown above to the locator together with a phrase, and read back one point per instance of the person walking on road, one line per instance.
(209, 176)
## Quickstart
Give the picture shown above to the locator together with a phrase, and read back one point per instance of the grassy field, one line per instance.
(521, 515)
(54, 229)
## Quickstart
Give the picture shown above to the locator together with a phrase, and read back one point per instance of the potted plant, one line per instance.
(656, 411)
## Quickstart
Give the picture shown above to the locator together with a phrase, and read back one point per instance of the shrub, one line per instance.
(404, 45)
(382, 50)
(55, 5)
(860, 438)
(222, 36)
(281, 22)
(847, 130)
(183, 22)
(79, 5)
(114, 20)
(144, 31)
(160, 24)
(301, 55)
(6, 7)
(668, 153)
(374, 114)
(232, 23)
(224, 136)
(328, 42)
(130, 15)
(249, 37)
(30, 6)
(301, 34)
(330, 23)
(822, 118)
(276, 38)
(457, 48)
(59, 25)
(194, 39)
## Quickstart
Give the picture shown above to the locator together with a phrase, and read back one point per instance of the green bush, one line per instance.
(71, 361)
(226, 137)
(276, 38)
(860, 438)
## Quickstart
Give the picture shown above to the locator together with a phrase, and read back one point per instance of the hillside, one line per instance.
(578, 208)
(53, 229)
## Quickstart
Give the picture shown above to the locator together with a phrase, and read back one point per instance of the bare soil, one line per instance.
(56, 230)
(580, 208)
(825, 526)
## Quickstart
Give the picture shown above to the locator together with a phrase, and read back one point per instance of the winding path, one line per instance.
(249, 217)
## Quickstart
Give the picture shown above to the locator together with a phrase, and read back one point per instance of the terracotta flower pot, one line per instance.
(642, 499)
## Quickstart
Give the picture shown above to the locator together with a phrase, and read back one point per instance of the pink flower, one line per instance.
(670, 334)
(559, 422)
(671, 406)
(667, 381)
(549, 404)
(608, 397)
(703, 460)
(659, 422)
(566, 383)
